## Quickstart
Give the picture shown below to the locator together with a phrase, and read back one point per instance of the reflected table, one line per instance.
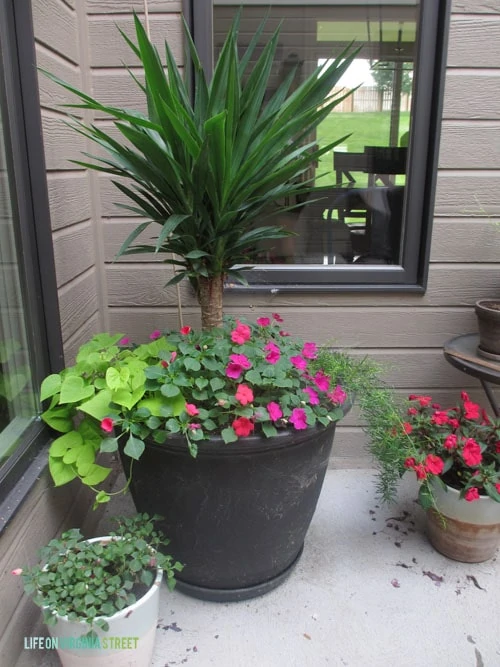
(461, 352)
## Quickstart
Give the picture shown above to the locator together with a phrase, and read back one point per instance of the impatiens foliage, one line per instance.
(234, 381)
(459, 446)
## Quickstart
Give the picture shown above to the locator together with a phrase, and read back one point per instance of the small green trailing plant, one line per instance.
(86, 581)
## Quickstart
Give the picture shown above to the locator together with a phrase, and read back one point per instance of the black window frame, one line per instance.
(30, 210)
(412, 274)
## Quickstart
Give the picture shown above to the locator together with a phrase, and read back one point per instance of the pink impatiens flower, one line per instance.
(185, 330)
(450, 442)
(154, 335)
(299, 362)
(310, 351)
(194, 427)
(244, 394)
(313, 395)
(191, 409)
(18, 571)
(241, 334)
(273, 353)
(124, 341)
(299, 419)
(277, 317)
(107, 424)
(338, 395)
(237, 364)
(263, 321)
(322, 381)
(472, 410)
(274, 411)
(439, 417)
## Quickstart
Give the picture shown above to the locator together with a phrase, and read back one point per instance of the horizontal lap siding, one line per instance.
(59, 36)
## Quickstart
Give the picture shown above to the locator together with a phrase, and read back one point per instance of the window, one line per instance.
(367, 224)
(28, 294)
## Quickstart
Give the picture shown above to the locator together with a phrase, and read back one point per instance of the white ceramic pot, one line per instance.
(465, 531)
(129, 642)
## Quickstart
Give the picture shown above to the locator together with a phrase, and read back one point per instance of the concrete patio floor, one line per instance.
(369, 591)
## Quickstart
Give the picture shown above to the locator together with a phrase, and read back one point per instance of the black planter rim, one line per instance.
(252, 444)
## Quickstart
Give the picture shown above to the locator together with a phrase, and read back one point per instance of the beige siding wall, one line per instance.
(62, 48)
(405, 332)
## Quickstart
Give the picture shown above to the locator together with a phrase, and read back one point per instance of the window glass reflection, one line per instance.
(356, 213)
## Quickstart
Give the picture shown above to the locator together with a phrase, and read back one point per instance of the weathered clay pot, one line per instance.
(488, 320)
(465, 531)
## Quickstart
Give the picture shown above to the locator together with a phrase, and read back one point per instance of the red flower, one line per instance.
(420, 471)
(164, 363)
(450, 442)
(472, 494)
(185, 330)
(464, 396)
(299, 419)
(407, 428)
(497, 447)
(471, 453)
(410, 462)
(277, 317)
(497, 487)
(439, 417)
(424, 400)
(434, 464)
(472, 410)
(412, 411)
(242, 426)
(107, 424)
(244, 394)
(241, 334)
(454, 423)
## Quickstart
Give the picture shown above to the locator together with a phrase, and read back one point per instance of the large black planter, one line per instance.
(237, 515)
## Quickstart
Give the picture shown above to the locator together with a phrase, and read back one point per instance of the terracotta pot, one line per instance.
(465, 531)
(488, 320)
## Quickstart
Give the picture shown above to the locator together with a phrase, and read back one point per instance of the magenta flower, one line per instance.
(313, 396)
(273, 353)
(310, 350)
(155, 334)
(299, 419)
(338, 395)
(107, 424)
(237, 364)
(322, 381)
(263, 321)
(274, 411)
(124, 341)
(241, 334)
(277, 317)
(193, 427)
(244, 394)
(299, 362)
(191, 409)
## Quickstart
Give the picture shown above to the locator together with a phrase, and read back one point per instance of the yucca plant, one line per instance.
(207, 166)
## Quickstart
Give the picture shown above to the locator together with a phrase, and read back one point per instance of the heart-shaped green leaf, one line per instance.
(74, 390)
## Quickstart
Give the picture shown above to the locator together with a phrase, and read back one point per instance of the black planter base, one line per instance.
(238, 514)
(236, 594)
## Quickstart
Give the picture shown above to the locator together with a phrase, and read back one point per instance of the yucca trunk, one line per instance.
(210, 291)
